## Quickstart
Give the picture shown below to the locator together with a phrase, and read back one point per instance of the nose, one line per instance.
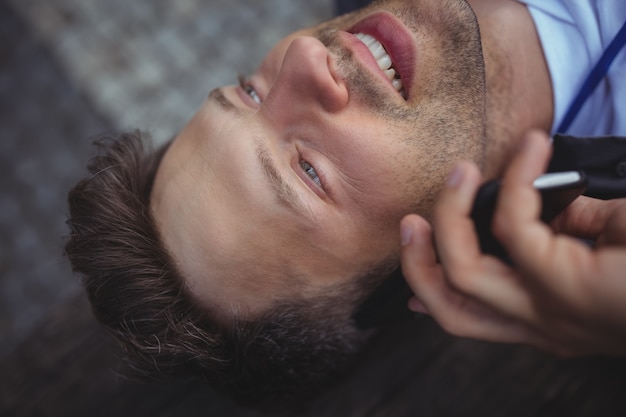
(308, 77)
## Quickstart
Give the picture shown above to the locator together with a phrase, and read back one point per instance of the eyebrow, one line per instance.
(284, 192)
(220, 98)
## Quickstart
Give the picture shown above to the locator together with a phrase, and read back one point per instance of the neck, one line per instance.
(519, 90)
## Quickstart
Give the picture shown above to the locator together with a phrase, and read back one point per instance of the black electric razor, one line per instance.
(557, 189)
(388, 303)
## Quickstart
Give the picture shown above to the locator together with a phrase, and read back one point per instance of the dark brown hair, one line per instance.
(140, 298)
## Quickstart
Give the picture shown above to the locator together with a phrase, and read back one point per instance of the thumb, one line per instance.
(418, 253)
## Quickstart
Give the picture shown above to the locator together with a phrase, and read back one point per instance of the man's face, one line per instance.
(295, 181)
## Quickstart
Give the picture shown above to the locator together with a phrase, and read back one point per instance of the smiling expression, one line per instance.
(294, 182)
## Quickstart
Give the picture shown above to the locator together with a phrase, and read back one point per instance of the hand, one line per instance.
(563, 295)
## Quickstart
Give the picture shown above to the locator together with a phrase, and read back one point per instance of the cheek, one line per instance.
(379, 237)
(377, 173)
(378, 211)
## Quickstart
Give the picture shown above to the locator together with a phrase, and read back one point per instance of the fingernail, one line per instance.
(406, 233)
(456, 176)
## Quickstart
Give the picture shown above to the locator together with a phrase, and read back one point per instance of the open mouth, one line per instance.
(393, 47)
(383, 60)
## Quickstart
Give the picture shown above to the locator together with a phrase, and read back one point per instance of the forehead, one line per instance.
(227, 234)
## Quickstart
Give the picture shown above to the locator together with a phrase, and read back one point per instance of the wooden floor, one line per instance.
(66, 369)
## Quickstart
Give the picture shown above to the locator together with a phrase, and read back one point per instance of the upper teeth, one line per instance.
(383, 59)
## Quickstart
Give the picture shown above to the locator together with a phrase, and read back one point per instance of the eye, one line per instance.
(310, 171)
(249, 89)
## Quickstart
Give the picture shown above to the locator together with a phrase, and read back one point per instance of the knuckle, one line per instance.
(462, 279)
(411, 266)
(453, 325)
(501, 226)
(410, 273)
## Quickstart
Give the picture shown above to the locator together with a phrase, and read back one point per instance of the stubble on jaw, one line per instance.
(452, 97)
(445, 121)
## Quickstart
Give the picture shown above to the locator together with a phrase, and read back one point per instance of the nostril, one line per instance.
(313, 71)
(336, 97)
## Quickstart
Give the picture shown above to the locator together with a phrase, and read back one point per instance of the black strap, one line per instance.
(596, 75)
(602, 159)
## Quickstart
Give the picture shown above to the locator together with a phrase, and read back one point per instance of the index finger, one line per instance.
(516, 221)
(456, 240)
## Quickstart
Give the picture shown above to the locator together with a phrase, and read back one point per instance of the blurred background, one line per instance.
(71, 69)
